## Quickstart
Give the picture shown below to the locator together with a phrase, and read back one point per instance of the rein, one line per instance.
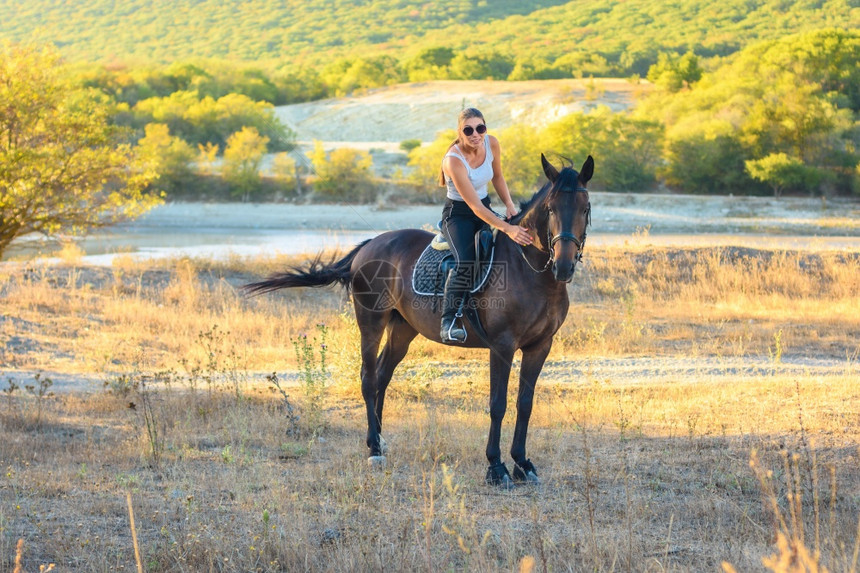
(580, 243)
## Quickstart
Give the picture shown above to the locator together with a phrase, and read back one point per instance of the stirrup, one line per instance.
(446, 334)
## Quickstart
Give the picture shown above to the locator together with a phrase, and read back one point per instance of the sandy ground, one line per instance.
(243, 229)
(621, 371)
(611, 213)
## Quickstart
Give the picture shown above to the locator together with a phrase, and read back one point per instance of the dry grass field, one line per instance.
(700, 411)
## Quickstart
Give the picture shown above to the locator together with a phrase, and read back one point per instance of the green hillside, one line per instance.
(535, 39)
(748, 96)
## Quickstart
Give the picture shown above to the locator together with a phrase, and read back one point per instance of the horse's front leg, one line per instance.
(533, 360)
(500, 371)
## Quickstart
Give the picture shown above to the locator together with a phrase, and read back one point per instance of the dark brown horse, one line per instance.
(521, 309)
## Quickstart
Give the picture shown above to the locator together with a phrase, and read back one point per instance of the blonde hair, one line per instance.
(464, 115)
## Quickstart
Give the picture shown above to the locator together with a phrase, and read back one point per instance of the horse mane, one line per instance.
(527, 206)
(568, 178)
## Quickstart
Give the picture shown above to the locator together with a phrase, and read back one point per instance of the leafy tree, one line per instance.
(629, 148)
(855, 180)
(184, 76)
(298, 85)
(792, 117)
(348, 75)
(672, 72)
(207, 156)
(173, 111)
(214, 79)
(408, 145)
(780, 97)
(426, 162)
(639, 55)
(243, 158)
(207, 120)
(521, 151)
(826, 58)
(429, 64)
(63, 166)
(480, 67)
(285, 171)
(533, 67)
(713, 163)
(256, 85)
(781, 172)
(343, 174)
(117, 82)
(583, 65)
(168, 156)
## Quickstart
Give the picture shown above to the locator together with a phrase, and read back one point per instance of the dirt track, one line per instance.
(619, 371)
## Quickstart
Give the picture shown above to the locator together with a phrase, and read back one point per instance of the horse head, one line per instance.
(565, 215)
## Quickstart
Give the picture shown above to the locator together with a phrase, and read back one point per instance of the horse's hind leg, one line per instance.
(371, 326)
(532, 364)
(400, 334)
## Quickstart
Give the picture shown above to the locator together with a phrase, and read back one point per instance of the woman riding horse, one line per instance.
(522, 312)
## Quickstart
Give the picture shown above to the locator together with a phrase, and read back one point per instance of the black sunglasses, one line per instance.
(480, 128)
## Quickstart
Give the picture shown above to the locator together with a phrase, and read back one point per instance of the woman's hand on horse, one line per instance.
(510, 210)
(519, 235)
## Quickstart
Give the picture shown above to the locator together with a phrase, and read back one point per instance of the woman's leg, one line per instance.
(459, 226)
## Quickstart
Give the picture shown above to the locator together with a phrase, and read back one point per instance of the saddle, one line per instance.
(428, 275)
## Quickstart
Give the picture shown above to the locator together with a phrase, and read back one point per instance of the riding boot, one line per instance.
(456, 288)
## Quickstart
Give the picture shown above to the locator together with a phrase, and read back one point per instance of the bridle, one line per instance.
(563, 236)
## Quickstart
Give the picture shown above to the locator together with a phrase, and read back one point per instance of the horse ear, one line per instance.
(551, 172)
(587, 170)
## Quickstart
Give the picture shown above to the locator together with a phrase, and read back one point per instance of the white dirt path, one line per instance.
(615, 371)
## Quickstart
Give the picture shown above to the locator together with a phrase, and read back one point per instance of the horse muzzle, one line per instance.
(564, 261)
(563, 271)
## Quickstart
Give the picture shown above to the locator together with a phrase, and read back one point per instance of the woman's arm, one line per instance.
(499, 183)
(456, 170)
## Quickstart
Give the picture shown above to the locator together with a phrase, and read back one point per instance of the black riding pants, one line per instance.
(459, 225)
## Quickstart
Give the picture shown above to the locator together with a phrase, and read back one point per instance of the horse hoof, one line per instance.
(526, 473)
(376, 462)
(498, 475)
(507, 483)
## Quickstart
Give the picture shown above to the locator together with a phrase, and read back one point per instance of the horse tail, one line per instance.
(313, 274)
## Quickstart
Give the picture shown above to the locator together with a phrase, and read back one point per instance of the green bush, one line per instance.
(342, 174)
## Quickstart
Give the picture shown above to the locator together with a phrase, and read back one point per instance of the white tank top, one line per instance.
(479, 176)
